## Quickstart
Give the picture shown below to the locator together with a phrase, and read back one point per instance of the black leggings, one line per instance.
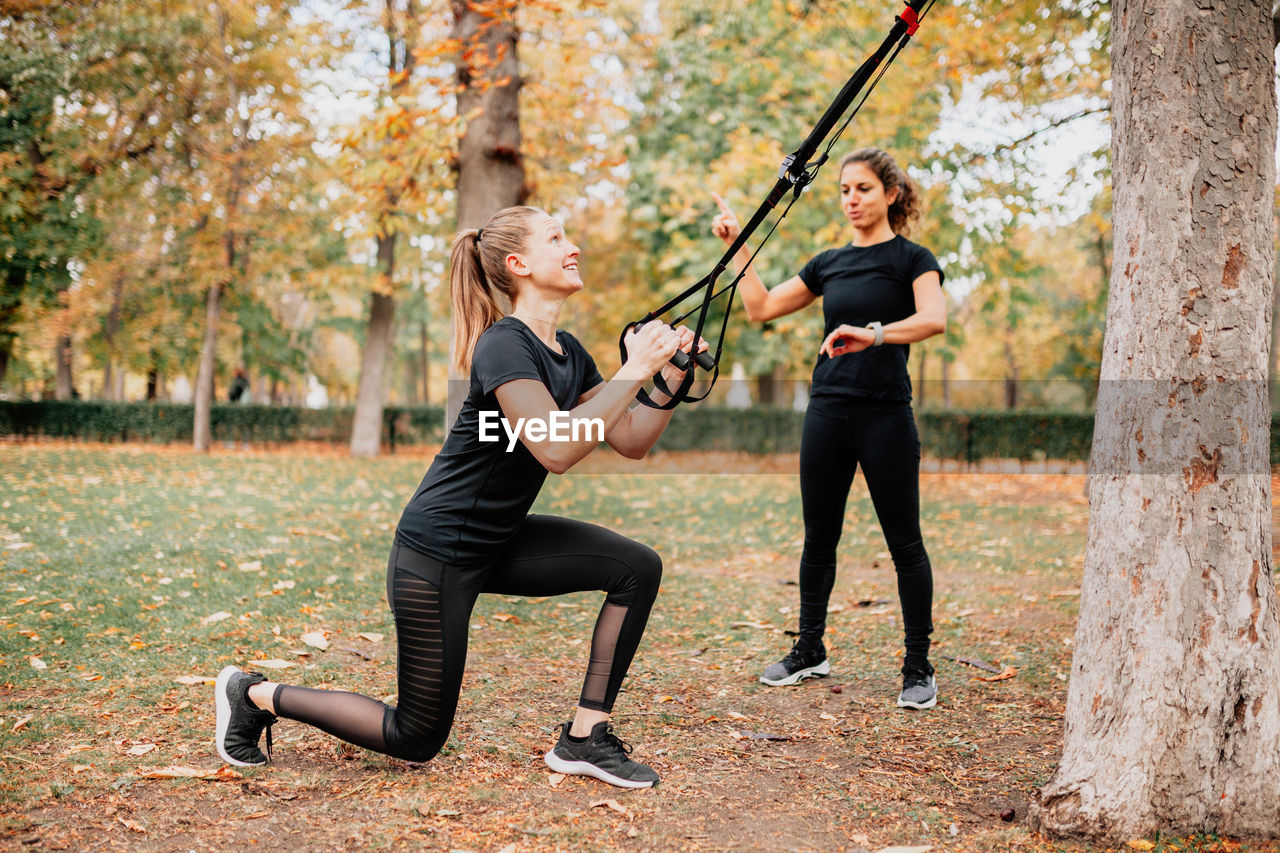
(432, 604)
(882, 437)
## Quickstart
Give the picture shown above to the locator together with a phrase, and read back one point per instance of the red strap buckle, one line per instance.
(911, 19)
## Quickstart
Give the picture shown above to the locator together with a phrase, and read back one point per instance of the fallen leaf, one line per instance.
(270, 664)
(28, 718)
(175, 772)
(37, 663)
(140, 749)
(25, 599)
(215, 617)
(88, 676)
(284, 585)
(255, 566)
(904, 850)
(191, 680)
(316, 639)
(554, 779)
(1141, 844)
(735, 715)
(505, 617)
(764, 625)
(1006, 673)
(132, 824)
(613, 804)
(372, 636)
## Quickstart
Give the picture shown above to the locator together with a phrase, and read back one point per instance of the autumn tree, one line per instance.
(402, 27)
(1173, 709)
(490, 163)
(80, 96)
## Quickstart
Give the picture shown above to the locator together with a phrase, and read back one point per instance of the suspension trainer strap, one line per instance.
(795, 173)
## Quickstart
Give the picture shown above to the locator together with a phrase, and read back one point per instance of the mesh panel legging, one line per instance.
(882, 438)
(432, 604)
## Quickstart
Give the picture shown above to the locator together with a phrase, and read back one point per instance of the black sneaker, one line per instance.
(240, 722)
(800, 663)
(919, 689)
(603, 755)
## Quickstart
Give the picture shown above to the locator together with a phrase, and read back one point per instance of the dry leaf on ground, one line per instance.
(316, 639)
(1006, 673)
(192, 680)
(270, 664)
(613, 804)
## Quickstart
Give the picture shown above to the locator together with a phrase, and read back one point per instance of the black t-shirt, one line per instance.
(476, 493)
(860, 285)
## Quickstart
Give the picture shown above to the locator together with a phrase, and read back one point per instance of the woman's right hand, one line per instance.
(725, 224)
(648, 349)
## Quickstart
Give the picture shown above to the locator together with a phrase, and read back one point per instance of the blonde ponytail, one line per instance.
(478, 271)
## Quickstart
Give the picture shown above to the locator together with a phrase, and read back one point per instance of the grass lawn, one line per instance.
(129, 575)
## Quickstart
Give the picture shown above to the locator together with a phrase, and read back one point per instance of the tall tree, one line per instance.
(402, 27)
(1173, 710)
(491, 172)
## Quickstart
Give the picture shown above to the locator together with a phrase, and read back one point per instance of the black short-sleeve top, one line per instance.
(476, 493)
(860, 285)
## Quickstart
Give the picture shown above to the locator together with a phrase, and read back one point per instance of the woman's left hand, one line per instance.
(847, 339)
(673, 375)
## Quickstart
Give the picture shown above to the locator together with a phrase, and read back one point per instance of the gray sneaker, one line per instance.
(919, 689)
(603, 755)
(239, 721)
(800, 663)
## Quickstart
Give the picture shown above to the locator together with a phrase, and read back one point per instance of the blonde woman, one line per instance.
(467, 529)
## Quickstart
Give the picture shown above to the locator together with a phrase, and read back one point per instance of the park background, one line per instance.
(190, 187)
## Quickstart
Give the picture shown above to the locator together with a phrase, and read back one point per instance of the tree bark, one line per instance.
(490, 167)
(1173, 710)
(201, 432)
(366, 428)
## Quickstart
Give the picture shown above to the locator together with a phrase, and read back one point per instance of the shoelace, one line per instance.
(616, 742)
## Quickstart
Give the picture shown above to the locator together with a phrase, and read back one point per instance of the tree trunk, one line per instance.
(1011, 364)
(15, 282)
(424, 341)
(110, 328)
(946, 383)
(1173, 711)
(201, 432)
(65, 389)
(490, 167)
(366, 428)
(920, 386)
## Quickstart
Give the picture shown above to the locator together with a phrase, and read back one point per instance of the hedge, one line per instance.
(964, 436)
(171, 422)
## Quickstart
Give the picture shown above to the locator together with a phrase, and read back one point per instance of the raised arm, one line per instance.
(762, 303)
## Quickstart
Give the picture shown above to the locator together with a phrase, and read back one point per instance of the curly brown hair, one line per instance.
(906, 206)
